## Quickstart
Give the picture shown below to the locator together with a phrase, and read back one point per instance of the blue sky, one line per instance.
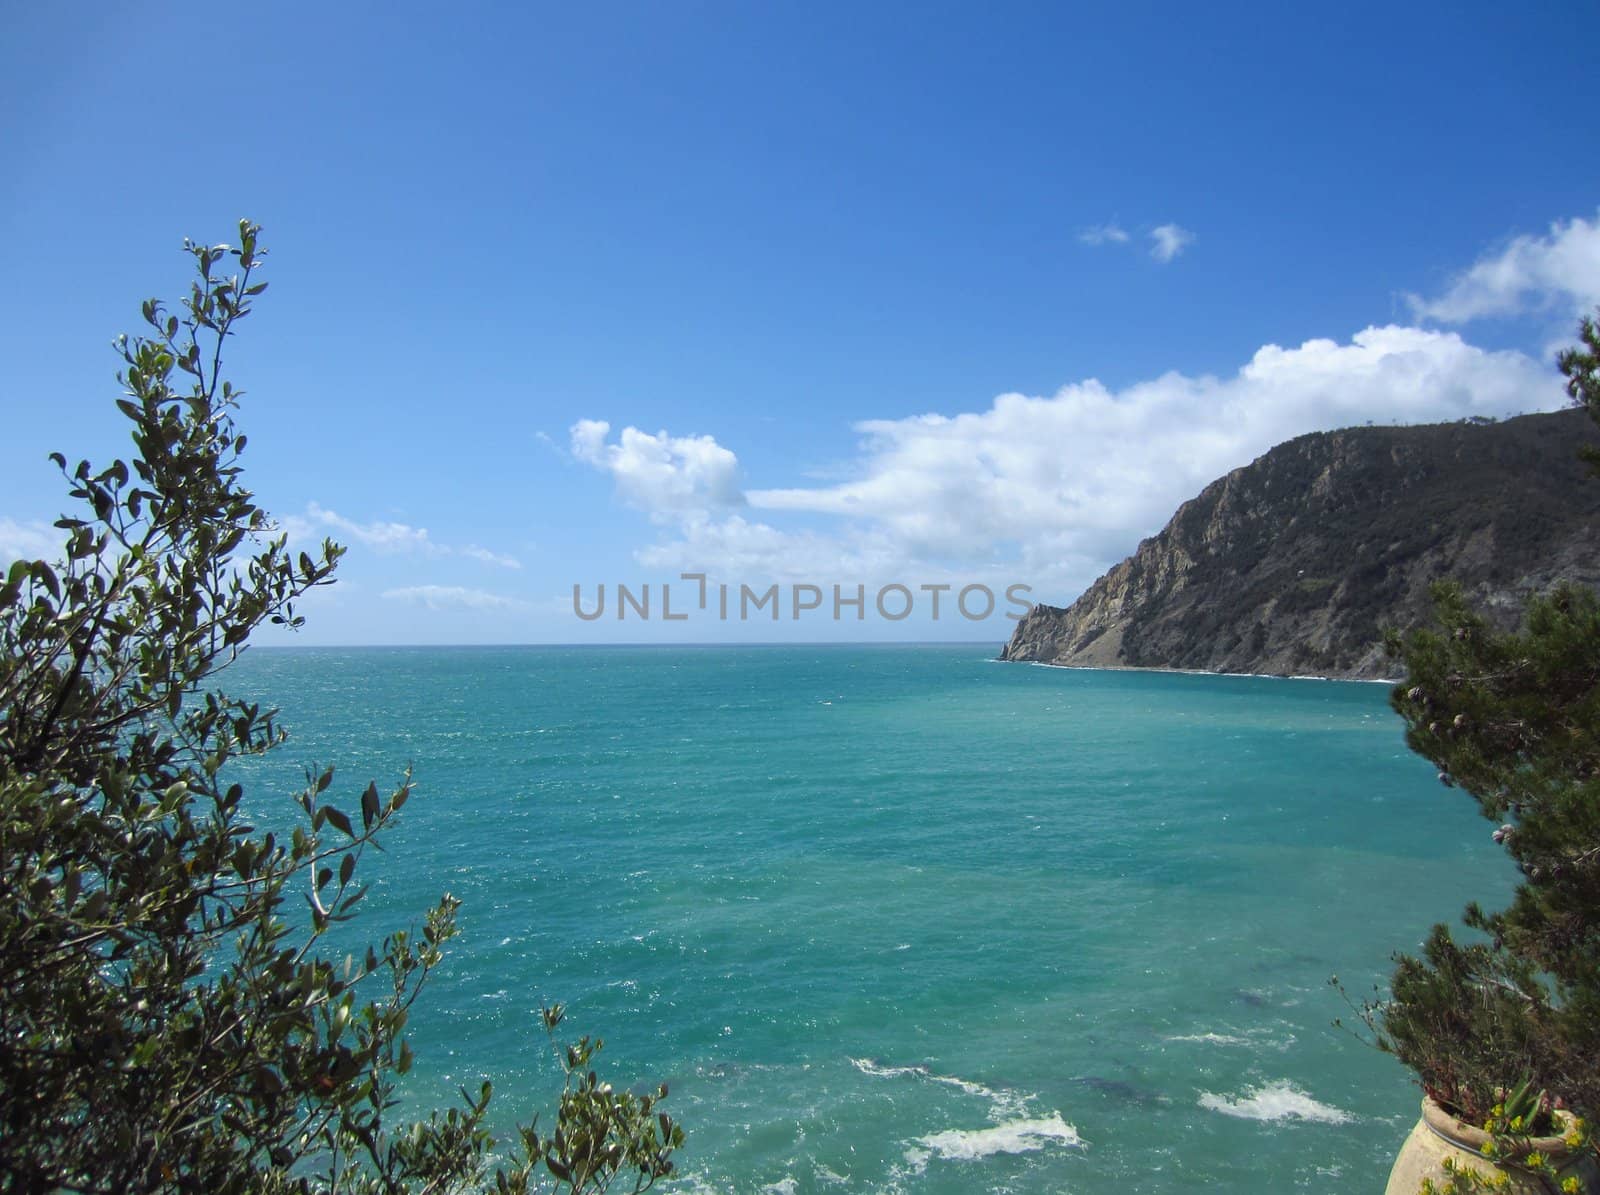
(806, 295)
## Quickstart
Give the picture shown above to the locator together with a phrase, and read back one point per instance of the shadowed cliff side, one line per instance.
(1293, 564)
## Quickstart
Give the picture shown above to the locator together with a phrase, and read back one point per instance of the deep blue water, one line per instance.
(902, 918)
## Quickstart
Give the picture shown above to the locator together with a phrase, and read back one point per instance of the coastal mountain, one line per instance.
(1293, 564)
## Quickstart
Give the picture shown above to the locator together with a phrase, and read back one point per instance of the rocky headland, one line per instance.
(1294, 564)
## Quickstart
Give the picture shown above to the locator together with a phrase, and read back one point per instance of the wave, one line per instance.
(868, 1067)
(1258, 1039)
(1015, 1131)
(1215, 1039)
(1005, 1102)
(693, 1184)
(1014, 1137)
(1273, 1102)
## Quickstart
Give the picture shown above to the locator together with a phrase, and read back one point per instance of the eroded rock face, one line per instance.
(1293, 564)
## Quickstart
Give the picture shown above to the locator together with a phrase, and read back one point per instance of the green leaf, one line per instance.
(338, 819)
(46, 576)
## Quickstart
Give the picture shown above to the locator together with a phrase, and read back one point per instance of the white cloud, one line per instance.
(1104, 234)
(32, 540)
(384, 537)
(661, 474)
(453, 597)
(1052, 490)
(1168, 241)
(474, 552)
(735, 548)
(1090, 458)
(1561, 269)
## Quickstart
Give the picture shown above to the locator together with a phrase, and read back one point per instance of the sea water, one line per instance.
(903, 919)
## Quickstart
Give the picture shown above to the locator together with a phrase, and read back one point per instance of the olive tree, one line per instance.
(168, 1018)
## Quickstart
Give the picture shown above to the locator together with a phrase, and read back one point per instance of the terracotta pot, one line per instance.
(1439, 1135)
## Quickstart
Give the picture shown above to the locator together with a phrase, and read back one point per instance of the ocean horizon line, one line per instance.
(803, 643)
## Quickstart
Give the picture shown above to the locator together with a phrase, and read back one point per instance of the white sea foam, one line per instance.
(1257, 1039)
(694, 1184)
(1013, 1137)
(1004, 1101)
(1274, 1101)
(784, 1186)
(917, 1159)
(1015, 1131)
(1215, 1039)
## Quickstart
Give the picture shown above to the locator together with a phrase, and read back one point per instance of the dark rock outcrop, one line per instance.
(1293, 564)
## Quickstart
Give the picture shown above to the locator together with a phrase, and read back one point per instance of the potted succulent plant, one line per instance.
(1524, 1144)
(1513, 719)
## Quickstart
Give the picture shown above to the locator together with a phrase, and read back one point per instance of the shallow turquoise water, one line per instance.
(905, 919)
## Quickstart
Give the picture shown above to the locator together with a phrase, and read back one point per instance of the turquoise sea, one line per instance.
(904, 919)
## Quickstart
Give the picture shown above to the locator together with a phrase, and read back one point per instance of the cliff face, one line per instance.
(1293, 564)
